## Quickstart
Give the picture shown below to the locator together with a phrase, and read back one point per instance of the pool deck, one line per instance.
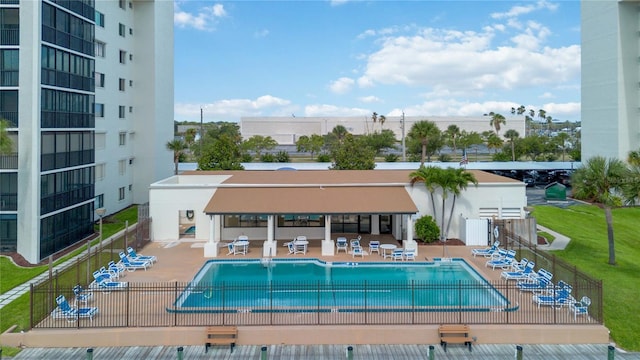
(180, 260)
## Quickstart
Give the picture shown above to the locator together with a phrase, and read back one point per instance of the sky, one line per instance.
(352, 58)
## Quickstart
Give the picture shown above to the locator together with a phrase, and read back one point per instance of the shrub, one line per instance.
(283, 157)
(391, 158)
(247, 158)
(267, 158)
(444, 158)
(427, 229)
(324, 158)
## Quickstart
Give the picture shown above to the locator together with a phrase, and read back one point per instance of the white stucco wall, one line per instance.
(166, 203)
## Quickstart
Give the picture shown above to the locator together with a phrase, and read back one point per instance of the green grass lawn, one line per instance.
(588, 250)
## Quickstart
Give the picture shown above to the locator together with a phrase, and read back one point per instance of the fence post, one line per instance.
(431, 352)
(349, 352)
(611, 352)
(263, 353)
(518, 352)
(180, 350)
(89, 354)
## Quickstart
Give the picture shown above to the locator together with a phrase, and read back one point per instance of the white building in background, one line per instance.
(287, 130)
(610, 78)
(87, 88)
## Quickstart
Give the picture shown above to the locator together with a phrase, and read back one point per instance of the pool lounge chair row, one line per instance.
(72, 313)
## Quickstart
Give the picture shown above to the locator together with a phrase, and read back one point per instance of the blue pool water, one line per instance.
(313, 285)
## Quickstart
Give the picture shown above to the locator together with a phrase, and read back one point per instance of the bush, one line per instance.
(391, 158)
(268, 158)
(324, 158)
(283, 157)
(427, 229)
(445, 158)
(502, 156)
(246, 158)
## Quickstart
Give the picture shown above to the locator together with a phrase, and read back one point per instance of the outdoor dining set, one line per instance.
(385, 250)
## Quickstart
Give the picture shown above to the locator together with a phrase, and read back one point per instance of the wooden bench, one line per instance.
(221, 335)
(454, 334)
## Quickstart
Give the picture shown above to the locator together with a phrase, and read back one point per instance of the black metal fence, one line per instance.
(312, 303)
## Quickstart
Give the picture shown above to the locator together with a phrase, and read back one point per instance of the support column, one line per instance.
(270, 246)
(211, 246)
(375, 224)
(328, 245)
(409, 243)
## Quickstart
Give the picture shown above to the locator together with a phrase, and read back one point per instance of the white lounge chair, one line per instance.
(357, 251)
(487, 252)
(519, 275)
(374, 246)
(70, 313)
(341, 244)
(580, 308)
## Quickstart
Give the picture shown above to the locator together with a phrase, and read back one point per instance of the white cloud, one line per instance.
(333, 110)
(369, 99)
(342, 85)
(519, 10)
(204, 19)
(233, 109)
(261, 33)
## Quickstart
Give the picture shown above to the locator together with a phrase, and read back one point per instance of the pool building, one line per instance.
(270, 207)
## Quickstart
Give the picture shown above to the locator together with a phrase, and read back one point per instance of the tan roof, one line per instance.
(318, 191)
(312, 200)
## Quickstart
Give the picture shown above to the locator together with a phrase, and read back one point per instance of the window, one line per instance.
(130, 187)
(130, 109)
(130, 31)
(130, 83)
(99, 110)
(100, 141)
(121, 111)
(121, 194)
(99, 201)
(123, 57)
(130, 5)
(99, 18)
(100, 49)
(100, 171)
(122, 30)
(122, 138)
(245, 221)
(300, 220)
(122, 84)
(122, 167)
(122, 4)
(130, 57)
(99, 79)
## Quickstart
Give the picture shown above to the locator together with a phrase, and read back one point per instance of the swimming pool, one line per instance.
(313, 285)
(191, 230)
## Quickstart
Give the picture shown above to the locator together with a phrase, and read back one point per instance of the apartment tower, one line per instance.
(87, 90)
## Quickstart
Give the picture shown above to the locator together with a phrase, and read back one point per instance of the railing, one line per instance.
(310, 303)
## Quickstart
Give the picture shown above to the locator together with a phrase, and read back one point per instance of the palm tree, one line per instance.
(634, 157)
(494, 141)
(430, 177)
(459, 179)
(177, 146)
(496, 121)
(562, 139)
(453, 132)
(512, 135)
(382, 120)
(599, 181)
(422, 131)
(6, 145)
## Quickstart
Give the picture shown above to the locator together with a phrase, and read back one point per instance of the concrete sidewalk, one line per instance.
(559, 243)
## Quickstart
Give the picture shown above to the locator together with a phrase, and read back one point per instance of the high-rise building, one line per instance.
(610, 78)
(87, 89)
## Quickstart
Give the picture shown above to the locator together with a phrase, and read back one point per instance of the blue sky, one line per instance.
(351, 58)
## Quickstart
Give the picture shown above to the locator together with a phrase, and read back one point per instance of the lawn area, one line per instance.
(17, 313)
(588, 250)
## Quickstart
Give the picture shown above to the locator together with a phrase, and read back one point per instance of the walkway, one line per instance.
(559, 243)
(319, 352)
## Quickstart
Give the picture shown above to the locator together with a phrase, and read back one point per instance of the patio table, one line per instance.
(389, 247)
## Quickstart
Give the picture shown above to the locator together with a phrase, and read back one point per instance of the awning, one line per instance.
(312, 200)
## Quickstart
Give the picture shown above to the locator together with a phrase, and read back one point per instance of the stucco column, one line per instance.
(211, 246)
(375, 224)
(328, 248)
(409, 243)
(270, 247)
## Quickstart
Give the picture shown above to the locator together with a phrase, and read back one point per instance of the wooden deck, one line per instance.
(319, 352)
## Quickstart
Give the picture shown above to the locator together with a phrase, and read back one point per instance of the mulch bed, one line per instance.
(20, 261)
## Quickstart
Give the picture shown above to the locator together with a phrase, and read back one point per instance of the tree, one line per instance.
(380, 141)
(335, 137)
(223, 153)
(454, 182)
(494, 141)
(259, 143)
(353, 154)
(312, 144)
(424, 131)
(429, 176)
(190, 136)
(467, 140)
(382, 119)
(6, 145)
(561, 140)
(178, 147)
(512, 135)
(634, 157)
(496, 121)
(631, 186)
(599, 181)
(452, 133)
